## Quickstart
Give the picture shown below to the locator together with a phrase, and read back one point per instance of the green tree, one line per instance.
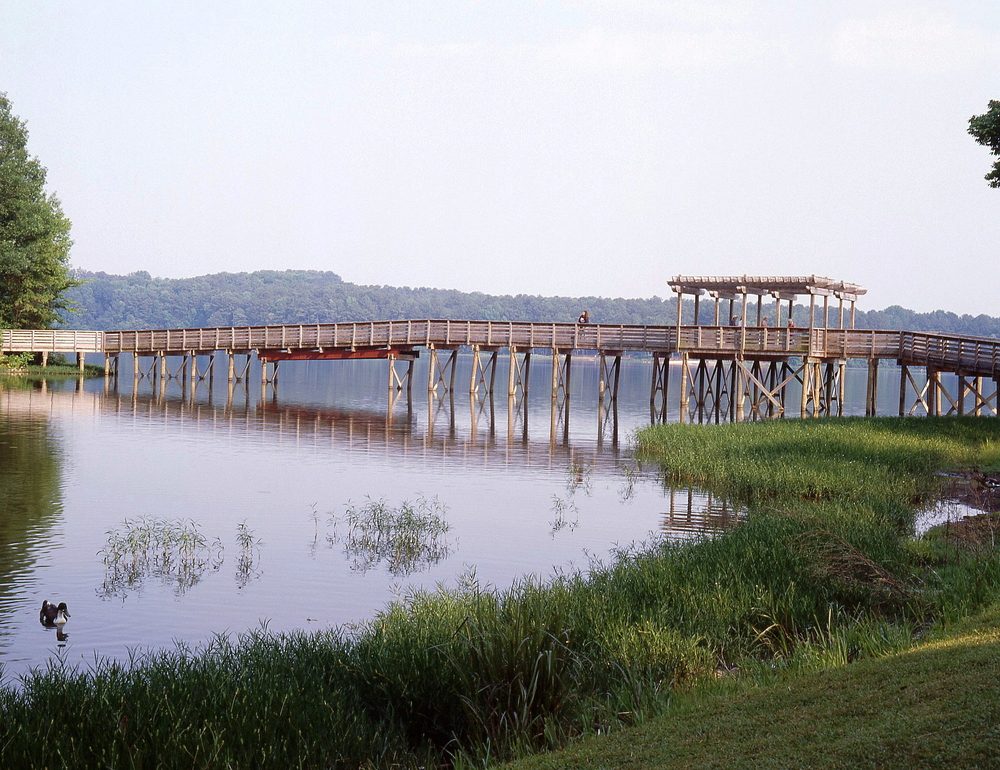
(986, 129)
(34, 234)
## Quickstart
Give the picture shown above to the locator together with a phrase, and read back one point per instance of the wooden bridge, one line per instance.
(728, 371)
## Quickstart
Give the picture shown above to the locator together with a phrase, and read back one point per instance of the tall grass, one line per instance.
(821, 573)
(880, 462)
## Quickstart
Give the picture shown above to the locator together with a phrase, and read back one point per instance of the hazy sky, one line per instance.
(508, 147)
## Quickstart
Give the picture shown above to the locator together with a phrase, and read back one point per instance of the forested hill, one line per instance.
(138, 301)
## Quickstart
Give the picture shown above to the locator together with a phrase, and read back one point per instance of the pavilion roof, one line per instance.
(785, 285)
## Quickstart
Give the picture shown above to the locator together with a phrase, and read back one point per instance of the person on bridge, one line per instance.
(584, 317)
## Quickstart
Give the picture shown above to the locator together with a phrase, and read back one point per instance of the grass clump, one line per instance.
(173, 551)
(405, 538)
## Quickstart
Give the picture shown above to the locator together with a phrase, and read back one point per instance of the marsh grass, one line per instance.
(822, 573)
(887, 463)
(175, 551)
(404, 538)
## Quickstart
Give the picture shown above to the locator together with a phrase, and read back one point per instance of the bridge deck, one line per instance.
(971, 356)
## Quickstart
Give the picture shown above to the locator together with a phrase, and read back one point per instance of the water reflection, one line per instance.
(693, 512)
(262, 479)
(30, 492)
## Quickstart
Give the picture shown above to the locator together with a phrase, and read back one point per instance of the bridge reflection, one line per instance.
(480, 440)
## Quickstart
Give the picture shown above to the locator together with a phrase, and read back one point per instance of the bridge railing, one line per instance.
(401, 333)
(50, 341)
(964, 355)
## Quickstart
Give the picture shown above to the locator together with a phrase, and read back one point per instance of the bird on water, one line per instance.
(53, 616)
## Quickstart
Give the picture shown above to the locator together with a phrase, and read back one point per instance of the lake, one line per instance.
(169, 516)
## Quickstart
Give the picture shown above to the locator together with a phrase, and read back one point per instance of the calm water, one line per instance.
(521, 493)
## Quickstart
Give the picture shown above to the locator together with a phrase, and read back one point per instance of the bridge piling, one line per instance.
(659, 387)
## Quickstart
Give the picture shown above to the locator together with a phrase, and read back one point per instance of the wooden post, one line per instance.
(738, 380)
(902, 389)
(759, 308)
(555, 373)
(806, 387)
(684, 388)
(473, 378)
(871, 391)
(135, 366)
(79, 362)
(45, 358)
(852, 313)
(231, 368)
(826, 311)
(680, 302)
(697, 309)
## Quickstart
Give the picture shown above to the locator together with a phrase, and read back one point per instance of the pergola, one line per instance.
(781, 287)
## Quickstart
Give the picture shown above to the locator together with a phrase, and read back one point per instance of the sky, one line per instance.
(555, 148)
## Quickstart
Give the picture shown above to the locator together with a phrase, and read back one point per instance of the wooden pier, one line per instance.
(740, 362)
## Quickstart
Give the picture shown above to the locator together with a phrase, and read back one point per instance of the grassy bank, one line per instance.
(933, 706)
(822, 573)
(20, 366)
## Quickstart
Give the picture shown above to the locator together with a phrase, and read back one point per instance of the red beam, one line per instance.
(342, 354)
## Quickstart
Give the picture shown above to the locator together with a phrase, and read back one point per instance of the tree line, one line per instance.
(140, 301)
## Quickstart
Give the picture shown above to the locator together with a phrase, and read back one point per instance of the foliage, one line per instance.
(986, 130)
(34, 234)
(139, 301)
(15, 362)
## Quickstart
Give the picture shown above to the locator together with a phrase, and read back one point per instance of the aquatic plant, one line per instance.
(579, 477)
(247, 562)
(565, 514)
(172, 550)
(404, 538)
